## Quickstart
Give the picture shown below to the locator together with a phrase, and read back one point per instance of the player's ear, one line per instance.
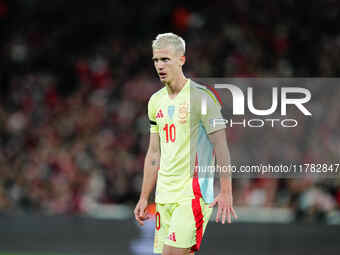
(182, 60)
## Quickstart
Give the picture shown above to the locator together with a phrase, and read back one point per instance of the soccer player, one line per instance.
(182, 140)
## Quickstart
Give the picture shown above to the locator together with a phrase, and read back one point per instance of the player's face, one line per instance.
(168, 64)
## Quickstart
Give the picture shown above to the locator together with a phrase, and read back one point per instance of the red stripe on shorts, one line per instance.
(196, 208)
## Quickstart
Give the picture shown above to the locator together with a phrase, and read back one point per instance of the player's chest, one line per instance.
(177, 113)
(173, 120)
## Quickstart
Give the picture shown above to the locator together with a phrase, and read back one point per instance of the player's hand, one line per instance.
(224, 201)
(140, 211)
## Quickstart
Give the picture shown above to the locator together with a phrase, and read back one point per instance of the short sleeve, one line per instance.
(152, 117)
(213, 113)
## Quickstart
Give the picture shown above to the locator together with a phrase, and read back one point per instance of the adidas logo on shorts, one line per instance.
(172, 236)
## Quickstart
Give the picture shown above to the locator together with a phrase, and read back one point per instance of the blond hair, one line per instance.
(169, 39)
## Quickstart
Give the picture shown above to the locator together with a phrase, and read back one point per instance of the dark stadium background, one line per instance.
(75, 77)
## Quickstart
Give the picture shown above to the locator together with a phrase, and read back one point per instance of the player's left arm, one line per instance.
(224, 200)
(217, 136)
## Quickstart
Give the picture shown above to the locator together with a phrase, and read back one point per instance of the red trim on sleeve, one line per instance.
(196, 208)
(213, 90)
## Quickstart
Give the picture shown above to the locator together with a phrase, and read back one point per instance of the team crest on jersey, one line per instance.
(183, 113)
(171, 111)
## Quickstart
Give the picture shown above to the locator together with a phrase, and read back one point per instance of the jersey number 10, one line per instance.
(170, 132)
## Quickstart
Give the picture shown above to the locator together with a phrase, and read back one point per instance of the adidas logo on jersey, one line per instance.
(159, 114)
(172, 237)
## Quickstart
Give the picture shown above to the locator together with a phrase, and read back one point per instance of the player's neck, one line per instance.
(176, 86)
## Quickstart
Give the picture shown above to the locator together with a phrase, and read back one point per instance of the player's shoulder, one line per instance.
(200, 90)
(158, 95)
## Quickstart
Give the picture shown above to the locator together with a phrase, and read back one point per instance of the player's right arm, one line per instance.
(151, 166)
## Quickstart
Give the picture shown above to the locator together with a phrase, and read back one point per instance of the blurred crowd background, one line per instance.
(76, 77)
